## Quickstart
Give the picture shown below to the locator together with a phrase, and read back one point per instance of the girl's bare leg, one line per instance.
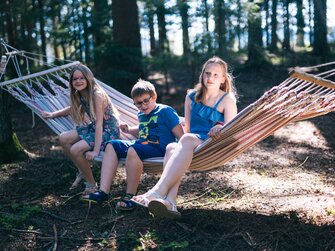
(67, 139)
(77, 155)
(177, 164)
(178, 160)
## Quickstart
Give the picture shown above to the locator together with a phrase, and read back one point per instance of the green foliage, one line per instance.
(18, 216)
(11, 150)
(150, 240)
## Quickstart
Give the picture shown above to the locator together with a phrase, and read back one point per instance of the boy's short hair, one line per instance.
(143, 87)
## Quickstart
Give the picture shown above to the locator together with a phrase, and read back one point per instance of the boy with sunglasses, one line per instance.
(158, 126)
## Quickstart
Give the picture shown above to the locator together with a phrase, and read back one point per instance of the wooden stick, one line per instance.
(55, 238)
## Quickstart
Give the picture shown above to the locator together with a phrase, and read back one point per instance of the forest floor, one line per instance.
(278, 195)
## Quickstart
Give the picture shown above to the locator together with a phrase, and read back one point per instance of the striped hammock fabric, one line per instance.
(301, 96)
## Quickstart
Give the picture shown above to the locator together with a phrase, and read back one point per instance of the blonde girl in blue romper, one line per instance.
(96, 122)
(211, 104)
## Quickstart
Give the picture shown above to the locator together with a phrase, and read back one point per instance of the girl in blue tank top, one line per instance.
(211, 104)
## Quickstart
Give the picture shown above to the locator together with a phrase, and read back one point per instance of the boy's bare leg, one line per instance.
(134, 168)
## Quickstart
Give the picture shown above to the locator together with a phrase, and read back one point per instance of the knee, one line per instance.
(131, 154)
(170, 148)
(76, 150)
(186, 138)
(133, 161)
(189, 140)
(63, 138)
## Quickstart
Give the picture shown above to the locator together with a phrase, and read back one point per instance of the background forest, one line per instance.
(123, 40)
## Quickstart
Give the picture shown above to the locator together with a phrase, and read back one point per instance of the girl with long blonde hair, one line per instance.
(96, 122)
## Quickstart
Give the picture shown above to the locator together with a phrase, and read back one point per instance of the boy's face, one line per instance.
(145, 103)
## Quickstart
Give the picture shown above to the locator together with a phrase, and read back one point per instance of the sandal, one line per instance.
(125, 203)
(97, 197)
(144, 199)
(164, 209)
(76, 182)
(90, 188)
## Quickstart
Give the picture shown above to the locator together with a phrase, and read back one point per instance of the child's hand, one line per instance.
(90, 155)
(124, 127)
(47, 115)
(215, 131)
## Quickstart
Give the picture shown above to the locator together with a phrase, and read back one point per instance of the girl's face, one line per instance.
(213, 76)
(79, 81)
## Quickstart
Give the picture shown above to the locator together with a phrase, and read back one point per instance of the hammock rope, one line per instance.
(301, 96)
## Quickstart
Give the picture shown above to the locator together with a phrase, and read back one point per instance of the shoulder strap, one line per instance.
(192, 95)
(219, 101)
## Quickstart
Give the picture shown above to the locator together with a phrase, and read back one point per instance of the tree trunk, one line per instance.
(126, 50)
(220, 26)
(267, 26)
(100, 18)
(42, 27)
(126, 30)
(87, 51)
(10, 148)
(274, 23)
(310, 25)
(300, 25)
(320, 45)
(150, 12)
(286, 41)
(238, 28)
(255, 43)
(207, 34)
(183, 10)
(163, 43)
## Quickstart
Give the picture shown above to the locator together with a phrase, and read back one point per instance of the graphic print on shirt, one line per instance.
(146, 130)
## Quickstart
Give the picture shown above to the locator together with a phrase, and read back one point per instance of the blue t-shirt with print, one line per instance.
(156, 127)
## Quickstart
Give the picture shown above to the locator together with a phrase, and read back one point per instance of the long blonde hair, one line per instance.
(77, 110)
(227, 86)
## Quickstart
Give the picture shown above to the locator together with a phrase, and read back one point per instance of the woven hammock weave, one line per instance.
(301, 96)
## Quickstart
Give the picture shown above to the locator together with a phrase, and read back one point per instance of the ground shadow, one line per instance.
(42, 184)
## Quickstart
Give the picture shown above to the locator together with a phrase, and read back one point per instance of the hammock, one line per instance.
(301, 96)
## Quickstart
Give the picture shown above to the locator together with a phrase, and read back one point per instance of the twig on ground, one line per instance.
(55, 238)
(23, 231)
(303, 162)
(196, 198)
(88, 210)
(71, 197)
(47, 238)
(221, 198)
(76, 222)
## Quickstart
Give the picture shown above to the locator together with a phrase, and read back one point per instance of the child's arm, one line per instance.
(60, 113)
(124, 127)
(229, 111)
(178, 131)
(230, 108)
(187, 111)
(99, 113)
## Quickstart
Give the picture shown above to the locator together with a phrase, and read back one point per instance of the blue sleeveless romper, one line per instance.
(204, 117)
